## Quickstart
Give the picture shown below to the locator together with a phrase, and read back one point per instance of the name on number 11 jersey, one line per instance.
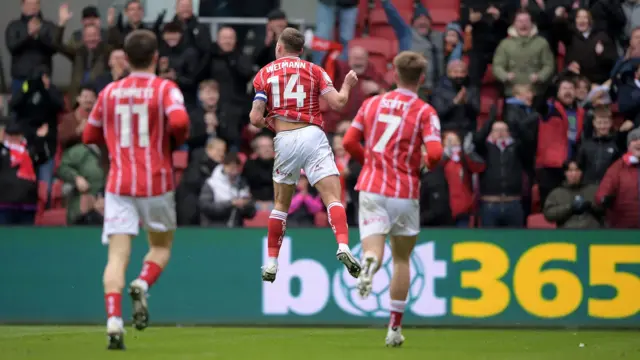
(291, 88)
(132, 117)
(395, 125)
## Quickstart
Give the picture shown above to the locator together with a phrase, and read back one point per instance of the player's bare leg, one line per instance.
(154, 262)
(373, 252)
(283, 193)
(329, 189)
(113, 281)
(401, 248)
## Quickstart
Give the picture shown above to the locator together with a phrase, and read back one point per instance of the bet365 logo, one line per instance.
(306, 287)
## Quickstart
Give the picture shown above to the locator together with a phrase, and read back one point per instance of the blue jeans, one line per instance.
(502, 214)
(325, 24)
(45, 173)
(17, 217)
(16, 86)
(462, 221)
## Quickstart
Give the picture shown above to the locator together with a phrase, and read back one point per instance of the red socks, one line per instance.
(150, 272)
(338, 221)
(397, 310)
(113, 302)
(276, 228)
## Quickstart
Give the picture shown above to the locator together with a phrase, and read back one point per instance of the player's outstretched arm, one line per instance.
(256, 116)
(352, 144)
(337, 100)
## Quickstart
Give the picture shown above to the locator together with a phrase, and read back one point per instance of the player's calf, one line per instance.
(113, 281)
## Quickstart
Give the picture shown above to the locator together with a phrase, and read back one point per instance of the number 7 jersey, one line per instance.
(136, 117)
(395, 125)
(291, 88)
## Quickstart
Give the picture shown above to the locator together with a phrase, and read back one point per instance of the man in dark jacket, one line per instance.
(258, 170)
(505, 156)
(18, 159)
(603, 148)
(231, 69)
(276, 23)
(456, 102)
(572, 205)
(629, 93)
(30, 40)
(178, 62)
(90, 17)
(196, 35)
(134, 12)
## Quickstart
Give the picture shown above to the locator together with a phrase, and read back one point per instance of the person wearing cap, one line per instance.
(619, 192)
(90, 17)
(276, 23)
(572, 205)
(420, 37)
(134, 12)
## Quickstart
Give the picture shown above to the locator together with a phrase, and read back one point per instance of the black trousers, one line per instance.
(549, 179)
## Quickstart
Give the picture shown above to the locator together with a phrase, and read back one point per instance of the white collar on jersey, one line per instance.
(406, 91)
(142, 74)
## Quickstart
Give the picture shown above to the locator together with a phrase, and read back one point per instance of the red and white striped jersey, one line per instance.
(291, 88)
(132, 116)
(395, 125)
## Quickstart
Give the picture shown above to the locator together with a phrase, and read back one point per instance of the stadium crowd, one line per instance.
(539, 103)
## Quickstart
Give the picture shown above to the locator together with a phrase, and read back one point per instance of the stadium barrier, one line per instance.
(545, 278)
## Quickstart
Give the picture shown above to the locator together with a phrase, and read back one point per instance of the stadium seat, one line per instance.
(536, 207)
(441, 17)
(488, 76)
(57, 197)
(537, 221)
(261, 220)
(180, 159)
(404, 5)
(321, 219)
(53, 217)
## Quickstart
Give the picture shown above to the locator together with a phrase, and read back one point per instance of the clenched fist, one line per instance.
(351, 79)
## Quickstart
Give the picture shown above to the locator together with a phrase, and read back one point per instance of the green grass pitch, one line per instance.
(160, 343)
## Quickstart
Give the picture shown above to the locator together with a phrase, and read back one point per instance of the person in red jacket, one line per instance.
(558, 134)
(459, 164)
(619, 190)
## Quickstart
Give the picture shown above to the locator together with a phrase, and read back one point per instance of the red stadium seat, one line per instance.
(57, 197)
(535, 199)
(441, 17)
(180, 159)
(537, 221)
(53, 217)
(321, 219)
(261, 220)
(404, 5)
(488, 77)
(383, 31)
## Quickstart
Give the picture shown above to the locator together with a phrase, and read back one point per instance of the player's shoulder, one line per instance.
(423, 106)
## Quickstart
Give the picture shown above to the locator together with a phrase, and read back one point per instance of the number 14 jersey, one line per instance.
(291, 88)
(394, 127)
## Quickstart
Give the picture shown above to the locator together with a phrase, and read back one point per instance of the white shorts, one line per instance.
(306, 148)
(124, 214)
(381, 215)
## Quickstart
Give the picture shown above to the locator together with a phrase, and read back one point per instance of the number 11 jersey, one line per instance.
(132, 117)
(291, 88)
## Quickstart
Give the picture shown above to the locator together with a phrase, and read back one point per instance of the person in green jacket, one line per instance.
(524, 57)
(83, 171)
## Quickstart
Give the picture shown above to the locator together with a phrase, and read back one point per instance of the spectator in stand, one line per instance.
(599, 151)
(419, 37)
(178, 62)
(225, 198)
(505, 156)
(572, 204)
(213, 119)
(454, 46)
(258, 169)
(276, 23)
(72, 124)
(84, 168)
(619, 192)
(30, 41)
(134, 12)
(118, 69)
(631, 10)
(88, 58)
(459, 164)
(231, 69)
(18, 159)
(347, 13)
(519, 114)
(629, 95)
(90, 17)
(524, 57)
(201, 165)
(36, 108)
(559, 131)
(541, 12)
(371, 82)
(196, 35)
(583, 87)
(456, 102)
(305, 204)
(589, 51)
(608, 16)
(488, 28)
